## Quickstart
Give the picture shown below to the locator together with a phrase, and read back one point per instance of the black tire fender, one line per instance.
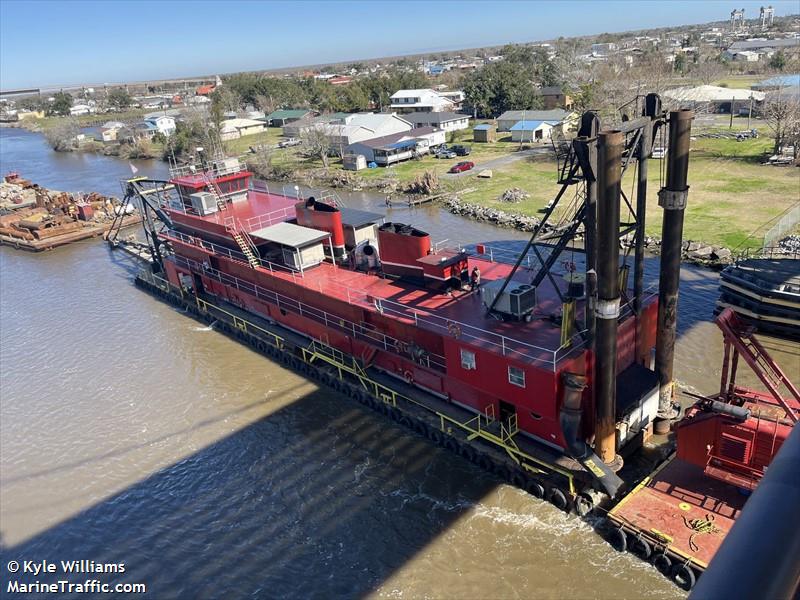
(518, 479)
(484, 462)
(641, 548)
(535, 488)
(663, 564)
(467, 452)
(451, 444)
(558, 499)
(618, 539)
(435, 436)
(683, 576)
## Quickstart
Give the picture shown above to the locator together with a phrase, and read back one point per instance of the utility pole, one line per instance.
(672, 199)
(609, 174)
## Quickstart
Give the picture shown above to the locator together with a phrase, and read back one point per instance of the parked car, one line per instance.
(462, 166)
(446, 154)
(289, 142)
(461, 150)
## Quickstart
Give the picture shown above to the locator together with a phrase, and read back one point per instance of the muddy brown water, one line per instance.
(131, 433)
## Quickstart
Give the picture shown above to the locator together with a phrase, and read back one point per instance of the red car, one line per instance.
(462, 166)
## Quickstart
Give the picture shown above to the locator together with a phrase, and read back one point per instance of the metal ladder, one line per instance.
(740, 336)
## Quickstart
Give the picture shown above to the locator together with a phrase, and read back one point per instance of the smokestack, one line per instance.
(609, 169)
(673, 200)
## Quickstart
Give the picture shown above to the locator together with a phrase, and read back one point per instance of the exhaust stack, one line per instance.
(672, 199)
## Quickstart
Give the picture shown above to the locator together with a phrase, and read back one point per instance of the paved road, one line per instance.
(501, 161)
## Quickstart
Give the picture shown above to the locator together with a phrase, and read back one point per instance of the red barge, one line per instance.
(538, 373)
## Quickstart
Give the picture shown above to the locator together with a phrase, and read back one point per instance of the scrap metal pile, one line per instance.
(30, 212)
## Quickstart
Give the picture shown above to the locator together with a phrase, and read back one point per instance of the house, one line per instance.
(390, 149)
(530, 131)
(340, 80)
(235, 128)
(163, 124)
(511, 117)
(554, 97)
(297, 128)
(446, 121)
(742, 56)
(790, 44)
(406, 101)
(773, 83)
(455, 96)
(363, 126)
(485, 132)
(197, 100)
(711, 97)
(600, 50)
(204, 90)
(110, 130)
(281, 117)
(80, 109)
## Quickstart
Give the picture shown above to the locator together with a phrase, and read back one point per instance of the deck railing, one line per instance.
(357, 330)
(504, 345)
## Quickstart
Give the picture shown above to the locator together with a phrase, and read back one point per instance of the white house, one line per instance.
(426, 100)
(446, 121)
(511, 117)
(363, 126)
(163, 124)
(80, 109)
(232, 129)
(110, 130)
(529, 131)
(389, 149)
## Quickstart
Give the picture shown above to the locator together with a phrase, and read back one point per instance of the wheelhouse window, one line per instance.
(468, 360)
(516, 376)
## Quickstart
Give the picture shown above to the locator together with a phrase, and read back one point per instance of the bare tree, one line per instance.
(782, 114)
(317, 142)
(63, 137)
(707, 71)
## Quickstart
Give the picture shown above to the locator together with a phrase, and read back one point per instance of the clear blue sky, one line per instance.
(46, 43)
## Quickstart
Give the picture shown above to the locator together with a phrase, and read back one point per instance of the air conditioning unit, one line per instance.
(518, 299)
(204, 203)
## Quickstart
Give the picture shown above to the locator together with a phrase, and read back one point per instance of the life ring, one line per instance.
(408, 376)
(662, 563)
(683, 576)
(454, 329)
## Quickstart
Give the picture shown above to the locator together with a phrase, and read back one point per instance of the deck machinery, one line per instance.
(542, 373)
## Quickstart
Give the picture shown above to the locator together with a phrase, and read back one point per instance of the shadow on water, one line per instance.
(320, 517)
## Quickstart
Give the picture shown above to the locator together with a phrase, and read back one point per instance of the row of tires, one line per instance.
(679, 570)
(541, 488)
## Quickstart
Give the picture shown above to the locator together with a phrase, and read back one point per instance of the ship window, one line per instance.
(516, 376)
(468, 360)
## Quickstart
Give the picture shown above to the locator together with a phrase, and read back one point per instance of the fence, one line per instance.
(784, 225)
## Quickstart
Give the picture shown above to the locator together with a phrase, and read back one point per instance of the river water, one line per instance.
(131, 433)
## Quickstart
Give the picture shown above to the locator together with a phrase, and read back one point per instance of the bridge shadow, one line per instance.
(321, 498)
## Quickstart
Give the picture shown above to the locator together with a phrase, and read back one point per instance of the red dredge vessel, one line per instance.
(539, 368)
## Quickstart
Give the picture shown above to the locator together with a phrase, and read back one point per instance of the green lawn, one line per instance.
(742, 82)
(269, 137)
(729, 198)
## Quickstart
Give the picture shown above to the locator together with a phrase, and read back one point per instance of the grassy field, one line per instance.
(269, 137)
(730, 199)
(742, 82)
